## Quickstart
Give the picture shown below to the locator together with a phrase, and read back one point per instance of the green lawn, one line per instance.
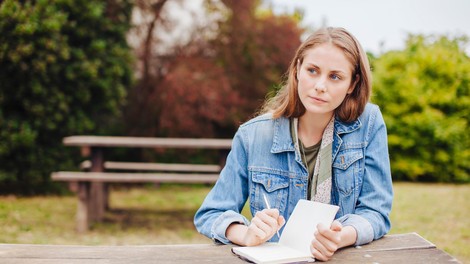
(439, 213)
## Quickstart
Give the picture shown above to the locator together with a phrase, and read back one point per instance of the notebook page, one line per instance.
(302, 224)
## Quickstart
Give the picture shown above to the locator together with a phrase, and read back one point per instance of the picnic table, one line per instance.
(400, 248)
(97, 172)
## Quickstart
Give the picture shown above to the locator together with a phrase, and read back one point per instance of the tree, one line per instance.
(65, 70)
(208, 85)
(255, 46)
(424, 93)
(140, 113)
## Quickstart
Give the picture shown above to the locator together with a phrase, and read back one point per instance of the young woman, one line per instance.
(320, 139)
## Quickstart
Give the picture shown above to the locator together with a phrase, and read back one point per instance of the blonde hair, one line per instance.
(287, 102)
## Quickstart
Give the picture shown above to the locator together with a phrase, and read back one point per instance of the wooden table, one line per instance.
(402, 248)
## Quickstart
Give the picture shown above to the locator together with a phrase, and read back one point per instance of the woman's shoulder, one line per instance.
(372, 116)
(371, 108)
(264, 125)
(371, 113)
(259, 120)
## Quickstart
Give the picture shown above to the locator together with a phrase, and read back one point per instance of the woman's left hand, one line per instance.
(326, 241)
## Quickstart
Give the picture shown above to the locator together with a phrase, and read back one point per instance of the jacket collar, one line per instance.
(282, 140)
(343, 128)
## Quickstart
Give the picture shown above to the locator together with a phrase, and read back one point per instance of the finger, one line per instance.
(274, 213)
(318, 245)
(336, 226)
(317, 254)
(253, 236)
(332, 233)
(267, 217)
(322, 229)
(269, 224)
(281, 221)
(329, 245)
(260, 228)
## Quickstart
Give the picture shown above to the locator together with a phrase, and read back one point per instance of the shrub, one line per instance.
(65, 69)
(424, 93)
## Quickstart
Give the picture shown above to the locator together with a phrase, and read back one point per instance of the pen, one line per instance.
(269, 207)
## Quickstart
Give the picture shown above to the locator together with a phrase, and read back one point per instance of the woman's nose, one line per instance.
(320, 86)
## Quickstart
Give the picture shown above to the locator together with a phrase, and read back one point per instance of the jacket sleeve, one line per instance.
(371, 218)
(224, 203)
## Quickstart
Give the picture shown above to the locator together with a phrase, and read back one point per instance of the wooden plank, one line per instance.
(147, 142)
(210, 253)
(409, 256)
(397, 242)
(146, 254)
(146, 166)
(117, 177)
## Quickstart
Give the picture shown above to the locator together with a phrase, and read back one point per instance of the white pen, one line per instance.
(269, 207)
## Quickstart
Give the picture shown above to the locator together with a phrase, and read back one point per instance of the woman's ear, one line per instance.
(353, 84)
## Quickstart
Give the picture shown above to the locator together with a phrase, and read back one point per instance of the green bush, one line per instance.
(65, 69)
(424, 93)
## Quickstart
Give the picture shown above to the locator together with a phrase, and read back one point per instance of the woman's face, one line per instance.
(324, 79)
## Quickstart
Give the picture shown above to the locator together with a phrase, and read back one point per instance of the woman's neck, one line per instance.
(311, 127)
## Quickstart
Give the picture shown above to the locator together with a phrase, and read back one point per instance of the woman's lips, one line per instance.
(317, 99)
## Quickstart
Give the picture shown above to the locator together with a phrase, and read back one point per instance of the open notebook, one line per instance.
(294, 243)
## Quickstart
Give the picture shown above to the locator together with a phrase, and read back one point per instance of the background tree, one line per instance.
(255, 46)
(424, 93)
(149, 20)
(205, 87)
(65, 69)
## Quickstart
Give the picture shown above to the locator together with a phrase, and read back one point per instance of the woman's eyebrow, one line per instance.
(311, 64)
(339, 71)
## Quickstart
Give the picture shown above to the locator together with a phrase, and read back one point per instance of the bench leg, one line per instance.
(83, 214)
(98, 194)
(97, 200)
(106, 197)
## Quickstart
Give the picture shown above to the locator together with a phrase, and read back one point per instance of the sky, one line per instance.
(384, 25)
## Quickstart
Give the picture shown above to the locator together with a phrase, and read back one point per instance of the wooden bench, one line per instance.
(96, 173)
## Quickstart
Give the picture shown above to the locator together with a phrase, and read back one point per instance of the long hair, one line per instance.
(287, 102)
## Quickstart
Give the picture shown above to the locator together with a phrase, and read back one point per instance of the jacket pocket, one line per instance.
(346, 167)
(274, 186)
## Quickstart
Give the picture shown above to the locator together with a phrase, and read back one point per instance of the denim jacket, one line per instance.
(264, 160)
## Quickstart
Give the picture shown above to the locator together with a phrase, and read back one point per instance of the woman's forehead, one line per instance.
(327, 54)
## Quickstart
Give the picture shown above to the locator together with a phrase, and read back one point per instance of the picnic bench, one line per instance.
(97, 173)
(399, 248)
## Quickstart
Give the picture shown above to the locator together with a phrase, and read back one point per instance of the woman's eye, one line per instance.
(335, 76)
(312, 70)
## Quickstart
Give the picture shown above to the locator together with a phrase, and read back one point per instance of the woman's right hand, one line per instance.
(263, 226)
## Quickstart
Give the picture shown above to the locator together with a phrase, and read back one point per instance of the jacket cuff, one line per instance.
(220, 225)
(364, 230)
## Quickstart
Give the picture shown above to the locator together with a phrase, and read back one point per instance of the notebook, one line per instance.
(294, 243)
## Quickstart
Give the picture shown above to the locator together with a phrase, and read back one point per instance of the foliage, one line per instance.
(424, 93)
(206, 87)
(65, 70)
(255, 47)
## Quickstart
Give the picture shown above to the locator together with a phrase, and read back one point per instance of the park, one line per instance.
(112, 133)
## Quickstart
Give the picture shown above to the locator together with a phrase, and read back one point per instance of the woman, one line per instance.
(317, 139)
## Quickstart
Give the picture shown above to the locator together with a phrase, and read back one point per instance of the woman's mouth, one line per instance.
(317, 99)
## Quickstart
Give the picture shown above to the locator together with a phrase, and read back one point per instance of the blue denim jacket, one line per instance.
(264, 160)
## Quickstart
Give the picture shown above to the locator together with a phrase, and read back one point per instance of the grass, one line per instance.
(438, 212)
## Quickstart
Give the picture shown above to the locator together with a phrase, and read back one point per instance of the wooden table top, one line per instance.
(402, 248)
(147, 142)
